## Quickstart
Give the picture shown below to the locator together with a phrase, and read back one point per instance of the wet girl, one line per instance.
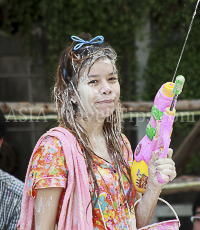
(79, 174)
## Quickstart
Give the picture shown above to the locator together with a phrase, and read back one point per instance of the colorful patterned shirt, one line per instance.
(49, 169)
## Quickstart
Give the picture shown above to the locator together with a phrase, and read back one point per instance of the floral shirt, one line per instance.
(49, 169)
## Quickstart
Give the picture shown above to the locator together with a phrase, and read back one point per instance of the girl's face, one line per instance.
(99, 90)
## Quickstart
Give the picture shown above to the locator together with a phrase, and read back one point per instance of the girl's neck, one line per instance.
(93, 128)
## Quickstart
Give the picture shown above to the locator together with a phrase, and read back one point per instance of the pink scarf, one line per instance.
(76, 210)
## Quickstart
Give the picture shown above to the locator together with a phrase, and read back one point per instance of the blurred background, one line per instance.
(148, 37)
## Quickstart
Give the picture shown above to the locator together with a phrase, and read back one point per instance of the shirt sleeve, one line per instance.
(128, 153)
(49, 168)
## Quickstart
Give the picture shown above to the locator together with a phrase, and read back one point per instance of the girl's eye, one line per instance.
(93, 82)
(113, 79)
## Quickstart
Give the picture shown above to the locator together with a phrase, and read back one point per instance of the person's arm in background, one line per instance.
(10, 200)
(46, 208)
(14, 217)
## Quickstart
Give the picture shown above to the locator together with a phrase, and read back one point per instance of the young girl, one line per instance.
(79, 175)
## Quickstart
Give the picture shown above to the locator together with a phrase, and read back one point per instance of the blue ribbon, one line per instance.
(64, 73)
(97, 39)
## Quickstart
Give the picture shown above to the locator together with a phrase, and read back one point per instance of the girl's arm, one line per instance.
(46, 208)
(145, 208)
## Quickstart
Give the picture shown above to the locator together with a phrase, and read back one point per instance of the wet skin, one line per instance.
(99, 90)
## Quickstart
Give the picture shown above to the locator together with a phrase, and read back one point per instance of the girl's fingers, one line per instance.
(165, 166)
(164, 177)
(170, 153)
(167, 170)
(162, 161)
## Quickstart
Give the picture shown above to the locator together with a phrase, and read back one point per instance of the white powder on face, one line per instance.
(104, 60)
(90, 91)
(87, 94)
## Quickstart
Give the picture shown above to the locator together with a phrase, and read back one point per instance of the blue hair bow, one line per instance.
(64, 73)
(97, 39)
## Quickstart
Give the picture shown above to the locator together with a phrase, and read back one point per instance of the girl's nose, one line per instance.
(105, 88)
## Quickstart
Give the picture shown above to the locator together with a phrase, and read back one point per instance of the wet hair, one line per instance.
(2, 125)
(69, 104)
(196, 204)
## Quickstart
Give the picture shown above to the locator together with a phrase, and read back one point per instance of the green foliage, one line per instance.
(171, 23)
(19, 15)
(117, 21)
(114, 19)
(192, 168)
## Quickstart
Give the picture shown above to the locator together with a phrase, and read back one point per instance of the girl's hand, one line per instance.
(165, 167)
(157, 166)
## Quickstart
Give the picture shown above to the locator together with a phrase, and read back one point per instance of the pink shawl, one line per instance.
(76, 210)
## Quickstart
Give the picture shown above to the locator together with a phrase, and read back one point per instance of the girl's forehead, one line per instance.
(102, 66)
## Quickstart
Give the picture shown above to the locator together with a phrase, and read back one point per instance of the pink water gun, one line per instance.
(158, 132)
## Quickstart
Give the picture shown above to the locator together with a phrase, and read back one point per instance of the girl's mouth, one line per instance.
(105, 102)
